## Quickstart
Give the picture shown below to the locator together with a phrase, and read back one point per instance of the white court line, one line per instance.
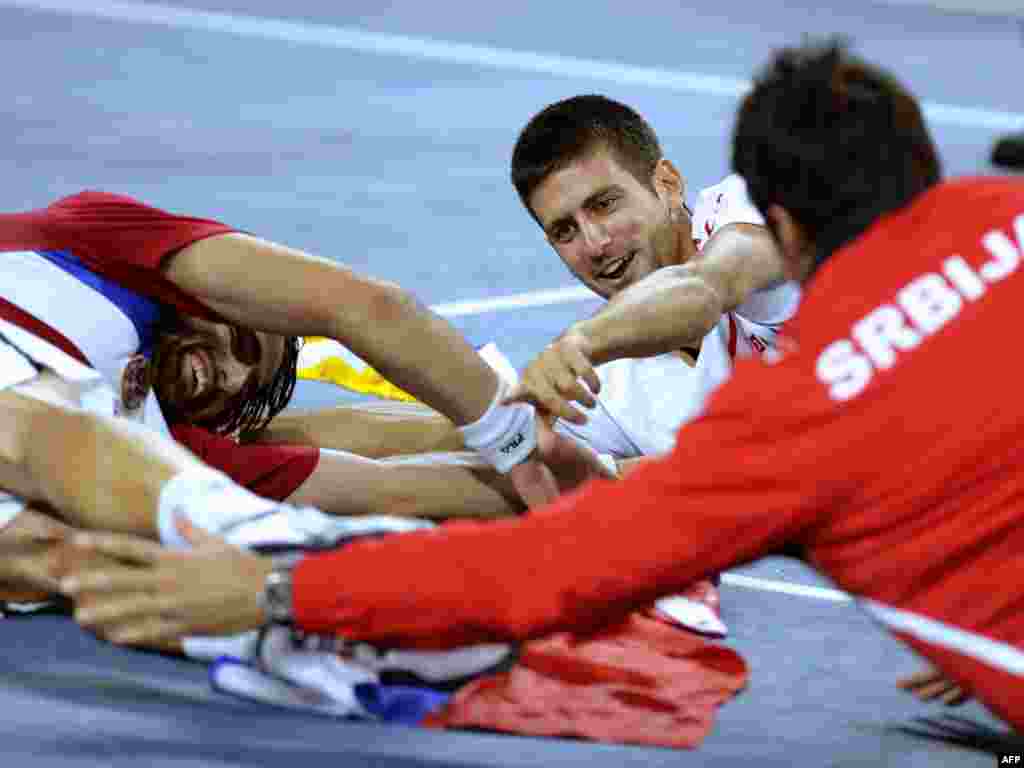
(362, 41)
(515, 301)
(802, 590)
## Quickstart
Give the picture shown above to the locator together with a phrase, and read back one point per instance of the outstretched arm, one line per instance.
(346, 484)
(676, 307)
(97, 472)
(274, 288)
(672, 308)
(270, 287)
(375, 430)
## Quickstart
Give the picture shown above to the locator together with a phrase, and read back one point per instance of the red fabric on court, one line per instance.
(637, 682)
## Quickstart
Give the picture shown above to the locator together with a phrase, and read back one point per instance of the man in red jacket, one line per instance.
(867, 445)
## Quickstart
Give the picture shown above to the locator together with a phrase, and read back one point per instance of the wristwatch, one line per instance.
(277, 596)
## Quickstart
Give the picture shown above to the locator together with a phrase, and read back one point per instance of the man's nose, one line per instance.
(595, 237)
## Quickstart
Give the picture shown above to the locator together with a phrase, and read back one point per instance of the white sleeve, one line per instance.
(736, 206)
(728, 203)
(724, 203)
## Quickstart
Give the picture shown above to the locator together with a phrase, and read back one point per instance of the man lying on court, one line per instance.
(191, 322)
(859, 462)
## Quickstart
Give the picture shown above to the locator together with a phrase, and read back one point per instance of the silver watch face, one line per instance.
(279, 595)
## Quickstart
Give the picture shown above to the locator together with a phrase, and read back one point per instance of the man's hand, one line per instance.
(152, 595)
(552, 381)
(558, 465)
(930, 685)
(34, 552)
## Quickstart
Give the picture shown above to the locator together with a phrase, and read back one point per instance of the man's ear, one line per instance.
(669, 184)
(796, 247)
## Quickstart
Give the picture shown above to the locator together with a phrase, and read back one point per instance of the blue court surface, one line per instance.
(379, 134)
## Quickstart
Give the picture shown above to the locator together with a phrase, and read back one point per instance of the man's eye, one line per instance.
(604, 203)
(563, 234)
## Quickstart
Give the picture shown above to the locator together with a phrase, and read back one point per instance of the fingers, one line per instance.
(534, 483)
(547, 400)
(917, 680)
(560, 375)
(930, 685)
(109, 579)
(132, 619)
(124, 547)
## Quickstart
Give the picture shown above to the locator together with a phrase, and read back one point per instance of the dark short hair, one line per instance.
(567, 130)
(251, 412)
(831, 139)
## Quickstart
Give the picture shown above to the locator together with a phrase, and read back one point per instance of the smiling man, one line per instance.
(700, 287)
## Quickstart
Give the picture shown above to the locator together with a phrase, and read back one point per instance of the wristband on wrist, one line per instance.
(505, 434)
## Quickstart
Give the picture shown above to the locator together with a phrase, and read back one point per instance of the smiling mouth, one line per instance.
(196, 370)
(617, 268)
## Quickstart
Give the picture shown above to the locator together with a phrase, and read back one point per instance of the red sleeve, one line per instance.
(117, 237)
(733, 489)
(273, 471)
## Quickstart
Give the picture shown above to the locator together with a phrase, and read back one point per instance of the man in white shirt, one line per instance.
(687, 292)
(644, 400)
(698, 287)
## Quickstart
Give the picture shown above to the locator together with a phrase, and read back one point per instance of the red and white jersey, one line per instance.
(753, 327)
(84, 274)
(886, 444)
(644, 401)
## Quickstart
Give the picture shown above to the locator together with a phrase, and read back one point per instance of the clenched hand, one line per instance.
(558, 465)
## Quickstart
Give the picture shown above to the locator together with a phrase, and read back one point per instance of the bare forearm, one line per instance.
(96, 472)
(345, 484)
(670, 309)
(278, 289)
(369, 429)
(421, 353)
(677, 306)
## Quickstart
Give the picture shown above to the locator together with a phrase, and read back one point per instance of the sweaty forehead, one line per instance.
(565, 190)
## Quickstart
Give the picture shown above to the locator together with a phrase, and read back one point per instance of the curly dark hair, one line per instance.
(252, 411)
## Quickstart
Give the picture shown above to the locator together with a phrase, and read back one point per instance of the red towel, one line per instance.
(638, 682)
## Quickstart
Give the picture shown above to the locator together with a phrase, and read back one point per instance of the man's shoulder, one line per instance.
(726, 202)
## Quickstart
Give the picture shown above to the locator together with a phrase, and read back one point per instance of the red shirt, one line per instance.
(887, 446)
(127, 242)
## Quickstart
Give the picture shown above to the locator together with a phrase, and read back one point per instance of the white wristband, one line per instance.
(505, 435)
(209, 500)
